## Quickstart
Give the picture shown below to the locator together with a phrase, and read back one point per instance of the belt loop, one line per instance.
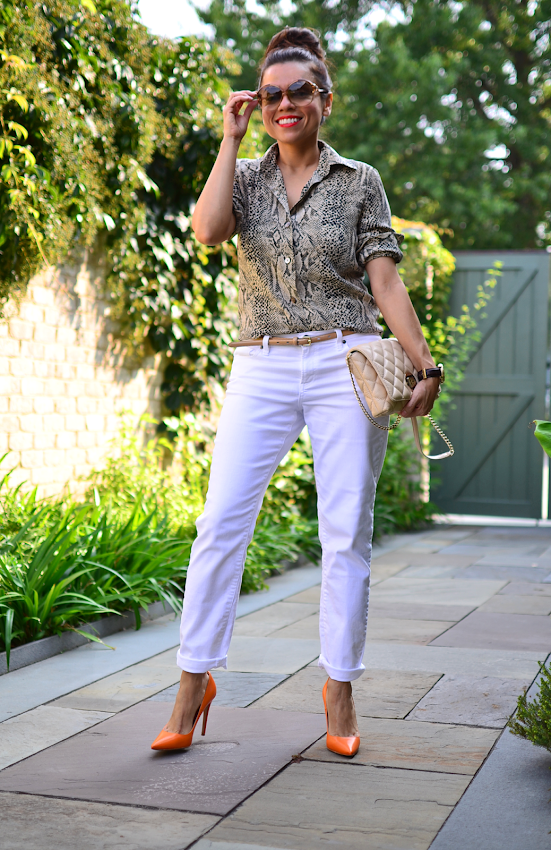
(339, 341)
(265, 345)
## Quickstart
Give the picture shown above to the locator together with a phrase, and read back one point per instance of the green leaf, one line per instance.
(543, 434)
(90, 637)
(20, 100)
(8, 628)
(88, 4)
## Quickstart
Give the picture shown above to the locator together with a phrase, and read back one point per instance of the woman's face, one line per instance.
(286, 122)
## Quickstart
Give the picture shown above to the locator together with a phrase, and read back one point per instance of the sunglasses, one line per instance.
(300, 93)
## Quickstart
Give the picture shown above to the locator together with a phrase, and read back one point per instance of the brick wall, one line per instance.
(63, 379)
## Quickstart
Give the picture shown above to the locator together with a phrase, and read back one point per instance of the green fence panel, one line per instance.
(497, 466)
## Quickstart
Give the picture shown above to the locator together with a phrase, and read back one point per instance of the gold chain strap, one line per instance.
(440, 433)
(368, 414)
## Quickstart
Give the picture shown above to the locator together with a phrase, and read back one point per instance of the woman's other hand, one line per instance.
(235, 125)
(422, 398)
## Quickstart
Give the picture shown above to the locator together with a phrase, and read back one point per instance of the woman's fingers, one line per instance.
(235, 124)
(422, 399)
(238, 98)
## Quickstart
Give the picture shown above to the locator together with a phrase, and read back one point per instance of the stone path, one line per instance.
(459, 618)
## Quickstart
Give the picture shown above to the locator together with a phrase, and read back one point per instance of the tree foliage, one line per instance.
(450, 101)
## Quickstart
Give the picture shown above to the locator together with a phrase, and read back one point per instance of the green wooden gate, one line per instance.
(497, 467)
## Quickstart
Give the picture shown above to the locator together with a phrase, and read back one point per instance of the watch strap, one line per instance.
(435, 372)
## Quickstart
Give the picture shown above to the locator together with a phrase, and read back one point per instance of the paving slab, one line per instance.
(473, 702)
(483, 548)
(436, 591)
(514, 559)
(380, 572)
(310, 596)
(305, 629)
(415, 746)
(501, 663)
(378, 693)
(262, 623)
(534, 605)
(478, 572)
(30, 822)
(280, 586)
(491, 630)
(29, 733)
(126, 688)
(311, 805)
(270, 655)
(525, 588)
(399, 630)
(412, 611)
(511, 533)
(396, 630)
(426, 559)
(234, 690)
(207, 844)
(114, 763)
(507, 805)
(429, 545)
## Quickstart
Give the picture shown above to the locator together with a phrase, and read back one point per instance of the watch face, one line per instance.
(442, 373)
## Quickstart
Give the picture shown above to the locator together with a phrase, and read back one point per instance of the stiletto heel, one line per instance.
(342, 746)
(205, 718)
(166, 740)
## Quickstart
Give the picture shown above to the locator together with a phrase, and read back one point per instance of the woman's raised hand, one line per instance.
(235, 125)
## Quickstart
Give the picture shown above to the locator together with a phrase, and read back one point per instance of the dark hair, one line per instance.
(298, 44)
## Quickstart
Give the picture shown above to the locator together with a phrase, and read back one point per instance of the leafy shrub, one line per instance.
(533, 718)
(69, 562)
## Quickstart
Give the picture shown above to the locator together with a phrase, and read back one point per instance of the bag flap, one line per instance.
(391, 364)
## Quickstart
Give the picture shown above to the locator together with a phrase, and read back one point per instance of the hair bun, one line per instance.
(301, 37)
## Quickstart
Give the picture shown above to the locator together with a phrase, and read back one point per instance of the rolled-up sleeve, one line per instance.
(376, 237)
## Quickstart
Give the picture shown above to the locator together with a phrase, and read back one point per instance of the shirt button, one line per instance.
(293, 300)
(287, 260)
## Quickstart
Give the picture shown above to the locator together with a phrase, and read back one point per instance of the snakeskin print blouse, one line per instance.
(302, 269)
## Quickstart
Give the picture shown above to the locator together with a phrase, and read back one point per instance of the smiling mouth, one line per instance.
(288, 121)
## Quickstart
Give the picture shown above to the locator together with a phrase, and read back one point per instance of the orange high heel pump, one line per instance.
(166, 740)
(342, 746)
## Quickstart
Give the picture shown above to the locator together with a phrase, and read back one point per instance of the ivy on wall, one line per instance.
(108, 132)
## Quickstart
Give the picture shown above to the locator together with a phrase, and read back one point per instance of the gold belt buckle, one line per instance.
(309, 338)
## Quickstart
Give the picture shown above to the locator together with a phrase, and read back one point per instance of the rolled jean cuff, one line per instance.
(340, 675)
(193, 666)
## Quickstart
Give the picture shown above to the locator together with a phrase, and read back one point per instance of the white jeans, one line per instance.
(272, 393)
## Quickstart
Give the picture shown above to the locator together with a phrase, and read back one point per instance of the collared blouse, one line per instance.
(302, 269)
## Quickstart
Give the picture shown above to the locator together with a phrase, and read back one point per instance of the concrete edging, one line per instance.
(39, 650)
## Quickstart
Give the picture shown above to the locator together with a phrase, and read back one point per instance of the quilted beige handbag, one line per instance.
(386, 377)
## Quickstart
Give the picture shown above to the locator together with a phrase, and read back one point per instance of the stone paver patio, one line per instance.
(459, 618)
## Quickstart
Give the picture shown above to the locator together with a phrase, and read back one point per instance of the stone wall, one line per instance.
(64, 377)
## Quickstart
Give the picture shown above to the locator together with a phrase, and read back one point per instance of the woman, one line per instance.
(309, 223)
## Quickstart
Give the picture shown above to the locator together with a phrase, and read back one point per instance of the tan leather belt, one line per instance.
(292, 340)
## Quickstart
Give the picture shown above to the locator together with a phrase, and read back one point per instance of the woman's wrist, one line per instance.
(230, 142)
